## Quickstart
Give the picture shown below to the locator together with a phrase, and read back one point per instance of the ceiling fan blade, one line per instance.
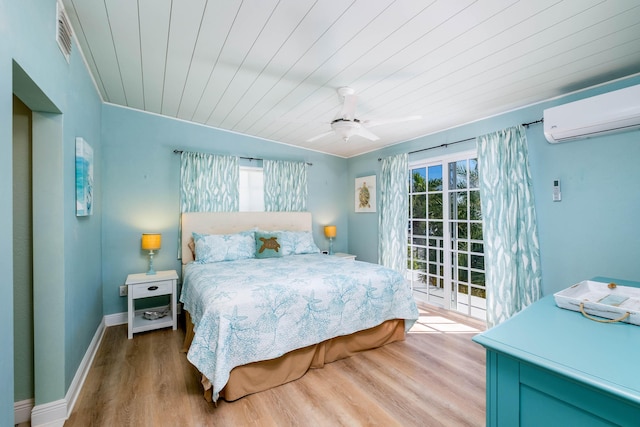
(372, 123)
(322, 135)
(365, 133)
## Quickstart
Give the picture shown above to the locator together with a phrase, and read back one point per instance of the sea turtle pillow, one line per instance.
(268, 245)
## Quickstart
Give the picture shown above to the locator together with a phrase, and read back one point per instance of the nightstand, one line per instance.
(345, 256)
(145, 286)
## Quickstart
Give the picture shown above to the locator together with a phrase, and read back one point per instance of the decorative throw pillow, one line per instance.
(268, 245)
(298, 242)
(224, 247)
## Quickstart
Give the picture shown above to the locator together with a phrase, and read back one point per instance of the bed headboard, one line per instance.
(233, 222)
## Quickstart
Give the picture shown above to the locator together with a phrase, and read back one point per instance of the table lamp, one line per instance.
(330, 233)
(151, 242)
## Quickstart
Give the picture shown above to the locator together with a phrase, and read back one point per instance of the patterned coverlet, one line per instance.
(259, 309)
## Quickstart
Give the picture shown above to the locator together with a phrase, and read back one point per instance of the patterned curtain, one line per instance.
(285, 186)
(394, 212)
(208, 183)
(512, 253)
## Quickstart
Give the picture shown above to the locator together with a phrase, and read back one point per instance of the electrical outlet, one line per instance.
(123, 290)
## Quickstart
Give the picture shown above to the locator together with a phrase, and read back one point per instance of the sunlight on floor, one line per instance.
(433, 324)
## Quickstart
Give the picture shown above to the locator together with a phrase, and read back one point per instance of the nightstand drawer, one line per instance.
(144, 290)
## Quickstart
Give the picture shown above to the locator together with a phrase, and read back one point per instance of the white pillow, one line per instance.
(224, 247)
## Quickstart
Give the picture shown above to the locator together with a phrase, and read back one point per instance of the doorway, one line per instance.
(446, 246)
(22, 253)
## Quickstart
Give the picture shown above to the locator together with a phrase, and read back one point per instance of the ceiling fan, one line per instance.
(346, 125)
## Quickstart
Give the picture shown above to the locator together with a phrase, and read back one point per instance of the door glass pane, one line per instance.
(477, 278)
(477, 247)
(476, 231)
(419, 228)
(459, 205)
(462, 260)
(435, 178)
(477, 262)
(475, 210)
(435, 206)
(462, 230)
(418, 183)
(419, 206)
(435, 228)
(458, 175)
(473, 173)
(421, 241)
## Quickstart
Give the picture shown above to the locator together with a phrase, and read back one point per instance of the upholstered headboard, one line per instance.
(233, 222)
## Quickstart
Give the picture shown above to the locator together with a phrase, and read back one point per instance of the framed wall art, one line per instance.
(366, 194)
(84, 178)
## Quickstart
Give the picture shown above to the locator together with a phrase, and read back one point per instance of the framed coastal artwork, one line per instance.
(366, 194)
(84, 178)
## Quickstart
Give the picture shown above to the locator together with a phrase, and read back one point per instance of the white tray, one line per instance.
(605, 300)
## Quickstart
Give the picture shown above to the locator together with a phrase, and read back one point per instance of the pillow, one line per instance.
(298, 242)
(224, 247)
(268, 245)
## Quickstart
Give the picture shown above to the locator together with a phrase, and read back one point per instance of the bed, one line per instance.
(256, 322)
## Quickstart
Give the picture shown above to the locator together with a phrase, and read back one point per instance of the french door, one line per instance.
(445, 245)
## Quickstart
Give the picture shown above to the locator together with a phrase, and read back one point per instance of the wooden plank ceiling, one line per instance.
(271, 68)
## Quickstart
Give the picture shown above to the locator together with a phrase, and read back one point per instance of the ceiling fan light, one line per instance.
(344, 129)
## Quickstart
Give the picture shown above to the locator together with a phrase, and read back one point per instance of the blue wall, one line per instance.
(31, 65)
(141, 188)
(593, 231)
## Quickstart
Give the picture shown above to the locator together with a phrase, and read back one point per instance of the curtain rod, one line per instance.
(176, 151)
(445, 145)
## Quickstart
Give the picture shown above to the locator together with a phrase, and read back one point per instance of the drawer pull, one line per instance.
(152, 288)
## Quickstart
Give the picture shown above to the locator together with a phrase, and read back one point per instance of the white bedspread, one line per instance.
(258, 309)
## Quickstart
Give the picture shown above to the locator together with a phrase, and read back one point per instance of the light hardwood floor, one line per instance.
(436, 377)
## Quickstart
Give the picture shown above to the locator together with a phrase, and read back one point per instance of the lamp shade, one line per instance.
(330, 231)
(151, 241)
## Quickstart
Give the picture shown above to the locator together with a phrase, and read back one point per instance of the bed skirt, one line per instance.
(263, 375)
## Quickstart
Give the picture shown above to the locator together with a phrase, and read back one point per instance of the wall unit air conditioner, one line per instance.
(616, 111)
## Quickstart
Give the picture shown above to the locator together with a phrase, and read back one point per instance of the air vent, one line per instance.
(63, 34)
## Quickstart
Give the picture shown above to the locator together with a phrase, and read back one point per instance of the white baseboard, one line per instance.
(115, 319)
(22, 411)
(54, 414)
(83, 369)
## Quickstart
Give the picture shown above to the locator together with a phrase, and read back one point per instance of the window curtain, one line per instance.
(208, 183)
(394, 212)
(285, 186)
(512, 253)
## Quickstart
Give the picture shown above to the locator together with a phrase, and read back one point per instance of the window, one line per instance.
(445, 246)
(251, 189)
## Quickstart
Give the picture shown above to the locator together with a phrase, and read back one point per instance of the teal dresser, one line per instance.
(549, 366)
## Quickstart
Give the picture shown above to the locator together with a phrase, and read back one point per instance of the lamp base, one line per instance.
(151, 271)
(330, 245)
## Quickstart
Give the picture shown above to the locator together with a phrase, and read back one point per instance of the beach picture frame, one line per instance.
(84, 178)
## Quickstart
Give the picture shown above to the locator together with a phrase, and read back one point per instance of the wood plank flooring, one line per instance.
(436, 377)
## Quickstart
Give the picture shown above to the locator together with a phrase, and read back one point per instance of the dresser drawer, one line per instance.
(144, 290)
